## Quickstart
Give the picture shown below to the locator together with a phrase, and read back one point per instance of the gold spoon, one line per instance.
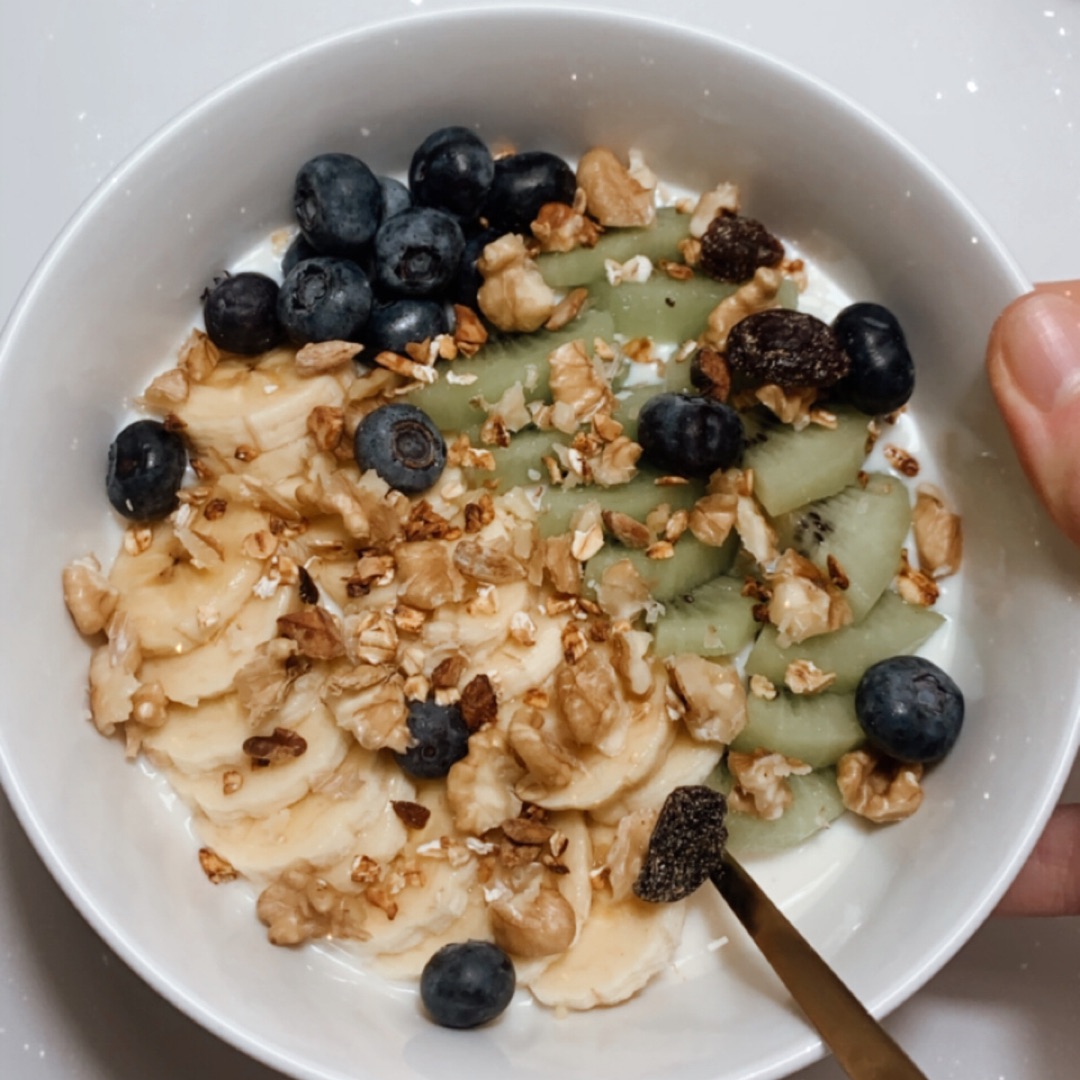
(685, 849)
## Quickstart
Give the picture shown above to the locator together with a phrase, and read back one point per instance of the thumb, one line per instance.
(1033, 361)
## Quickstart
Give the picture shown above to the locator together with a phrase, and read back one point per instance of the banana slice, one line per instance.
(266, 790)
(209, 671)
(325, 827)
(177, 606)
(599, 778)
(686, 762)
(199, 741)
(263, 407)
(621, 947)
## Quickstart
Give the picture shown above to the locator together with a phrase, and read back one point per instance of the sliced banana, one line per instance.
(323, 828)
(686, 762)
(264, 790)
(599, 778)
(209, 671)
(263, 407)
(177, 606)
(621, 947)
(200, 741)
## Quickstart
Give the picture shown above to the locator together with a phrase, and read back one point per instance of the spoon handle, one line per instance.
(862, 1047)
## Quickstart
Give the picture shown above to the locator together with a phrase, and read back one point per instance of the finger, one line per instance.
(1033, 362)
(1049, 883)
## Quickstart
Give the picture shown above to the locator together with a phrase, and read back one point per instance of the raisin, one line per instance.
(734, 247)
(789, 348)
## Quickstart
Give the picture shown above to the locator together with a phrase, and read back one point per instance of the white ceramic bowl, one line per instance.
(117, 293)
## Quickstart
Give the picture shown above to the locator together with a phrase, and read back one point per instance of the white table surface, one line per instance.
(989, 90)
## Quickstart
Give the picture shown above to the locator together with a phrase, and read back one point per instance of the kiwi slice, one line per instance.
(862, 528)
(692, 565)
(582, 266)
(817, 729)
(521, 464)
(661, 308)
(714, 619)
(498, 365)
(816, 803)
(792, 467)
(636, 498)
(892, 628)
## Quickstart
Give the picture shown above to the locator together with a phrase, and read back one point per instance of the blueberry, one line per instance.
(297, 252)
(393, 326)
(882, 376)
(338, 202)
(468, 279)
(441, 738)
(452, 170)
(403, 445)
(523, 183)
(240, 313)
(324, 299)
(146, 467)
(395, 196)
(467, 983)
(689, 435)
(910, 709)
(417, 252)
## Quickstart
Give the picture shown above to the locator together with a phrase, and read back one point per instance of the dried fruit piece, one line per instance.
(734, 247)
(789, 348)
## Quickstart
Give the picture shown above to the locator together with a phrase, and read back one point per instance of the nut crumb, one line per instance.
(218, 870)
(903, 461)
(414, 815)
(805, 677)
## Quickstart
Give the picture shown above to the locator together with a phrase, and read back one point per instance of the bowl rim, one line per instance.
(160, 980)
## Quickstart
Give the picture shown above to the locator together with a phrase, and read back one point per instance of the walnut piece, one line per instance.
(412, 814)
(878, 788)
(90, 598)
(576, 381)
(761, 788)
(624, 859)
(479, 705)
(264, 682)
(480, 787)
(758, 294)
(322, 356)
(316, 631)
(539, 922)
(723, 199)
(489, 561)
(428, 575)
(804, 602)
(559, 227)
(612, 195)
(369, 702)
(112, 676)
(538, 744)
(198, 357)
(939, 538)
(714, 697)
(589, 699)
(282, 744)
(567, 309)
(514, 296)
(302, 905)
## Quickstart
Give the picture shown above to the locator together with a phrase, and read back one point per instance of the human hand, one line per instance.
(1033, 361)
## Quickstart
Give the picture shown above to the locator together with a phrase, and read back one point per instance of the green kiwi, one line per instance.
(817, 729)
(792, 467)
(661, 308)
(692, 565)
(637, 499)
(498, 365)
(892, 628)
(714, 619)
(862, 527)
(521, 464)
(816, 803)
(582, 266)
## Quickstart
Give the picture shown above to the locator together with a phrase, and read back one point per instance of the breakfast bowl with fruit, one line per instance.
(444, 481)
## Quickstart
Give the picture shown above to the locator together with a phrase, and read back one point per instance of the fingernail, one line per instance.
(1040, 347)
